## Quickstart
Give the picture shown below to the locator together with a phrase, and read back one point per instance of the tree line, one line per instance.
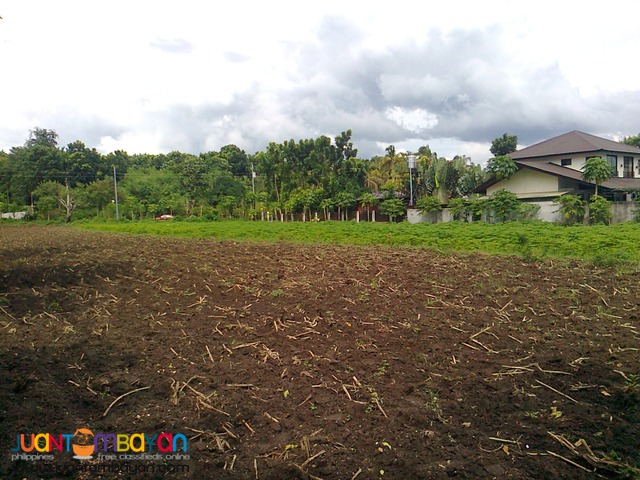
(310, 178)
(319, 178)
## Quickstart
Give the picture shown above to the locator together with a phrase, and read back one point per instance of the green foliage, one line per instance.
(442, 177)
(577, 241)
(429, 204)
(525, 247)
(504, 145)
(226, 206)
(471, 177)
(571, 208)
(528, 211)
(460, 208)
(393, 207)
(501, 167)
(599, 210)
(42, 137)
(596, 170)
(465, 209)
(632, 140)
(368, 201)
(344, 201)
(47, 199)
(504, 205)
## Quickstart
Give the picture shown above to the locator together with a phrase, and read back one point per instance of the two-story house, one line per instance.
(553, 168)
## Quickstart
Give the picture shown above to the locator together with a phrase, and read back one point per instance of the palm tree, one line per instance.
(374, 179)
(368, 200)
(596, 170)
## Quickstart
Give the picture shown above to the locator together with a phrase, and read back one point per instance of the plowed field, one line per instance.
(286, 361)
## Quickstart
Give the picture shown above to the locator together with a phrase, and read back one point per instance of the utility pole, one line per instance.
(411, 163)
(115, 188)
(253, 185)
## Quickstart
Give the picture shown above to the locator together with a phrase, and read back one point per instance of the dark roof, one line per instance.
(573, 142)
(613, 183)
(383, 195)
(554, 169)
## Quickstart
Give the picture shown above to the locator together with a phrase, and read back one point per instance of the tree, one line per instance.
(238, 160)
(97, 195)
(47, 197)
(84, 165)
(471, 177)
(392, 207)
(501, 167)
(385, 173)
(156, 191)
(368, 200)
(632, 140)
(504, 145)
(343, 201)
(42, 137)
(344, 146)
(442, 177)
(38, 160)
(596, 170)
(226, 206)
(327, 205)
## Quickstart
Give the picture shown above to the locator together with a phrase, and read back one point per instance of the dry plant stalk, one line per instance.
(121, 397)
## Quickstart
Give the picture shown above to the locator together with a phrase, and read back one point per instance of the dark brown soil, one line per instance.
(320, 362)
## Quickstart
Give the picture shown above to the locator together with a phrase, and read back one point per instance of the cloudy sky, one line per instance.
(156, 76)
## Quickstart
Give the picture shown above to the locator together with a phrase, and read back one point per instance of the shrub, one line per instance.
(571, 208)
(393, 207)
(504, 205)
(428, 204)
(527, 211)
(599, 210)
(459, 208)
(477, 207)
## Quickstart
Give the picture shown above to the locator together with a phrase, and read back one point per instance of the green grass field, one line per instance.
(600, 244)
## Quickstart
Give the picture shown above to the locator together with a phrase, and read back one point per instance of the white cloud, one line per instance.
(415, 120)
(148, 76)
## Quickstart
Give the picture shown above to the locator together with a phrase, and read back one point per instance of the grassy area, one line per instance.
(600, 244)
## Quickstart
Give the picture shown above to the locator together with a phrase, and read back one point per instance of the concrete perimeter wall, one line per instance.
(620, 212)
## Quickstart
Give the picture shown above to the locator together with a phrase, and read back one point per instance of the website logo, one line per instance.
(85, 445)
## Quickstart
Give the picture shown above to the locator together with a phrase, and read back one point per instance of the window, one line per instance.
(627, 167)
(613, 161)
(565, 162)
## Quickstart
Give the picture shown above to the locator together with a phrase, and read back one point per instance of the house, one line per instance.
(553, 168)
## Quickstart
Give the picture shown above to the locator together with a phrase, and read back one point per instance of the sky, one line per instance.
(159, 76)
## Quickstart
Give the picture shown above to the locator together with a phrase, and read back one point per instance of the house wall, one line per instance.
(526, 181)
(548, 211)
(578, 161)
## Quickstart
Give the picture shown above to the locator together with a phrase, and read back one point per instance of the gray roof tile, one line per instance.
(573, 142)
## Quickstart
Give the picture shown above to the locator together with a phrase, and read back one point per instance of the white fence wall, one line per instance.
(620, 212)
